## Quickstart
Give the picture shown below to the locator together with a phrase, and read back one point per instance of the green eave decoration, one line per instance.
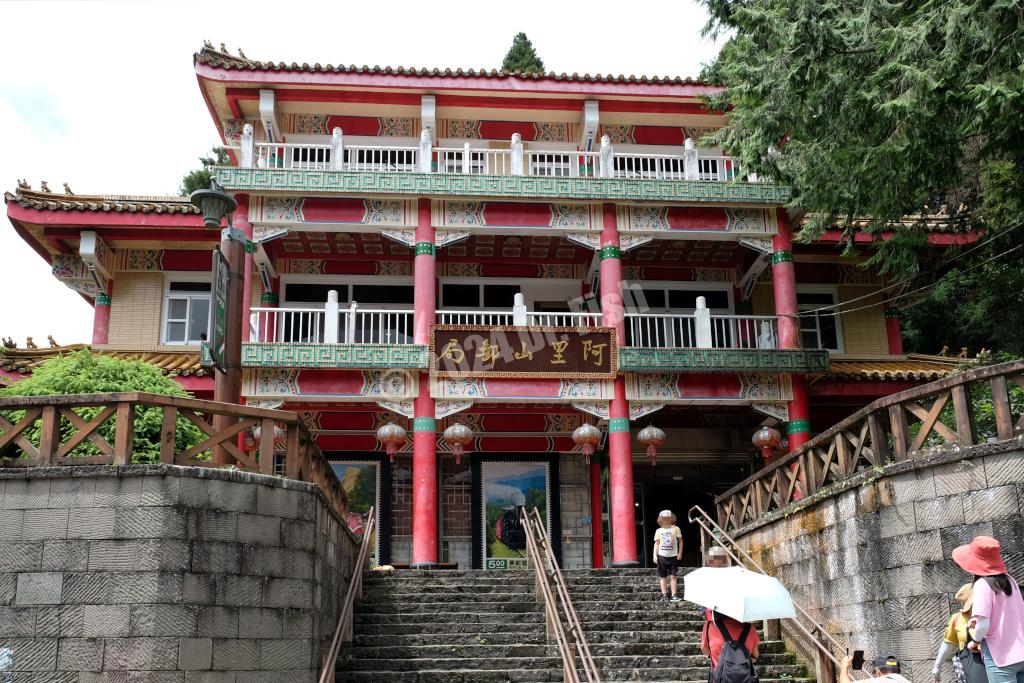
(205, 359)
(285, 355)
(636, 359)
(310, 182)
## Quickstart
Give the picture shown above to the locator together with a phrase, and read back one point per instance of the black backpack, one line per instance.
(734, 662)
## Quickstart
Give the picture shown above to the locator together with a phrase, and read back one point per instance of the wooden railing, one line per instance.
(76, 429)
(891, 429)
(563, 625)
(343, 630)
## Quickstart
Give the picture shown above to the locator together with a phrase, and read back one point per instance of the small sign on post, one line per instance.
(219, 310)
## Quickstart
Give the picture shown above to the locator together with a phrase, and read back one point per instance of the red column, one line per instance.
(596, 518)
(892, 331)
(101, 316)
(784, 286)
(620, 453)
(424, 425)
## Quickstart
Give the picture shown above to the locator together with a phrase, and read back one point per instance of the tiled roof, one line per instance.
(171, 363)
(34, 199)
(915, 367)
(224, 60)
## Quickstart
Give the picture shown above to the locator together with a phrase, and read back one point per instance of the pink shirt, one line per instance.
(1005, 637)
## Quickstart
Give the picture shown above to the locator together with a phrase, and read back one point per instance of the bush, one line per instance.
(83, 372)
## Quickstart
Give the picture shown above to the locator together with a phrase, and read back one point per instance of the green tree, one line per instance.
(199, 179)
(83, 372)
(522, 57)
(878, 111)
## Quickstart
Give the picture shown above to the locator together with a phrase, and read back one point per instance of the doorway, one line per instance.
(677, 496)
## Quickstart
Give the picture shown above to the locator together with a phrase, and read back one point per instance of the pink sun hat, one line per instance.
(980, 557)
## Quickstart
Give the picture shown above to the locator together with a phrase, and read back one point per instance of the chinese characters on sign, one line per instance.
(481, 351)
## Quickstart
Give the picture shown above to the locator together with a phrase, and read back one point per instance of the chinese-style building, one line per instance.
(516, 254)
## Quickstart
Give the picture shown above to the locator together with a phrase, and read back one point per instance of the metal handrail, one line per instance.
(343, 631)
(537, 538)
(816, 633)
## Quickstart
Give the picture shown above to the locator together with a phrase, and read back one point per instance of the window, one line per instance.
(187, 312)
(472, 296)
(819, 324)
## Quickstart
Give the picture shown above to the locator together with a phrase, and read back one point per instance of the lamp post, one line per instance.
(215, 204)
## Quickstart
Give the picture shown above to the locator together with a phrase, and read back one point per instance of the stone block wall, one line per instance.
(870, 559)
(166, 575)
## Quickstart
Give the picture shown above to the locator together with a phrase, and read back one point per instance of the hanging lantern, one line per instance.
(587, 436)
(280, 435)
(652, 437)
(458, 436)
(766, 439)
(392, 436)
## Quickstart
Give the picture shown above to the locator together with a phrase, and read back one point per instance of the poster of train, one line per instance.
(361, 482)
(508, 486)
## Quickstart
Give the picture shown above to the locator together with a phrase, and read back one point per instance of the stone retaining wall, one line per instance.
(166, 575)
(869, 559)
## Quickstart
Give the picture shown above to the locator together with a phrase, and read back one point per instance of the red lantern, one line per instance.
(766, 439)
(280, 435)
(458, 436)
(652, 437)
(392, 436)
(587, 437)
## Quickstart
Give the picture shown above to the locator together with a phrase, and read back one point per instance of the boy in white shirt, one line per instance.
(668, 551)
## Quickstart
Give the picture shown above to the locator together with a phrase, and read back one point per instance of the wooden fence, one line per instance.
(891, 429)
(50, 431)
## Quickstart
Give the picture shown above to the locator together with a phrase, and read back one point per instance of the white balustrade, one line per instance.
(292, 325)
(488, 318)
(718, 168)
(563, 319)
(689, 330)
(459, 160)
(351, 325)
(292, 156)
(380, 158)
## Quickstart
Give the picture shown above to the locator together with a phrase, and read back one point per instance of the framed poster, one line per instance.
(364, 482)
(502, 487)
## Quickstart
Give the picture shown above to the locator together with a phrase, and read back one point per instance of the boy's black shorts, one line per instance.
(667, 566)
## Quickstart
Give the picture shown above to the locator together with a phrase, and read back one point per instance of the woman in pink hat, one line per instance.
(998, 610)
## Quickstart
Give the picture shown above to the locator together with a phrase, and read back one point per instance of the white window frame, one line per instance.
(166, 306)
(837, 316)
(345, 281)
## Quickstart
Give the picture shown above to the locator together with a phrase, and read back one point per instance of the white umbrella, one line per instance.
(738, 593)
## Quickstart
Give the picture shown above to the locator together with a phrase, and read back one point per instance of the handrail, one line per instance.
(816, 633)
(343, 631)
(537, 538)
(875, 436)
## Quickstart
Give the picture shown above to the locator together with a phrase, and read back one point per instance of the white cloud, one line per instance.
(103, 95)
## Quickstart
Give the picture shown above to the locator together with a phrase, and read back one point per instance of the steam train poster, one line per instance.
(507, 487)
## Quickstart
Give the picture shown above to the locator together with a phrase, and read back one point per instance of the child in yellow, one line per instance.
(668, 551)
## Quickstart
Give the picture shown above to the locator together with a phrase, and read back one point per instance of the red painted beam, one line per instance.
(862, 387)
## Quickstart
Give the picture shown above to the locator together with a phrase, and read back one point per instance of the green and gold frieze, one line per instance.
(638, 359)
(314, 182)
(285, 355)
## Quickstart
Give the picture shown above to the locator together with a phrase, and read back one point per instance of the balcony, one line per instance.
(430, 170)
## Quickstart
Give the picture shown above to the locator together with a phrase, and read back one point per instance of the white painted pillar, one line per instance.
(337, 150)
(607, 166)
(465, 158)
(691, 160)
(245, 156)
(702, 323)
(350, 323)
(517, 154)
(519, 310)
(426, 151)
(331, 318)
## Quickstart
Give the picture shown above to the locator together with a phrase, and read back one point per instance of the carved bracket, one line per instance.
(445, 408)
(264, 233)
(590, 240)
(403, 408)
(780, 411)
(760, 244)
(443, 238)
(638, 410)
(596, 408)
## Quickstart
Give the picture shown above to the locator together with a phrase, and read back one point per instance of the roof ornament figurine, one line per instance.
(9, 343)
(53, 342)
(67, 189)
(43, 187)
(29, 344)
(23, 184)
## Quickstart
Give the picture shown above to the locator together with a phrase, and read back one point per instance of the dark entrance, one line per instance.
(677, 496)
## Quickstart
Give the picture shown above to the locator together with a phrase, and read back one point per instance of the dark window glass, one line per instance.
(382, 294)
(500, 296)
(653, 298)
(685, 298)
(190, 286)
(314, 294)
(461, 296)
(814, 299)
(809, 338)
(827, 325)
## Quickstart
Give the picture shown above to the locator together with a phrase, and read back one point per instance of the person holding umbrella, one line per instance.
(997, 621)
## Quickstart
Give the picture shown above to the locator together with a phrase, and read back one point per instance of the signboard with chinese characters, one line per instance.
(219, 310)
(538, 352)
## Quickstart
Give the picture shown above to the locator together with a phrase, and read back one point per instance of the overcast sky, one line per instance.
(103, 95)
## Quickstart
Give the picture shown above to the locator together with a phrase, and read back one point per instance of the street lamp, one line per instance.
(214, 203)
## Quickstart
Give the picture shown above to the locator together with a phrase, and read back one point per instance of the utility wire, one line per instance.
(913, 291)
(838, 308)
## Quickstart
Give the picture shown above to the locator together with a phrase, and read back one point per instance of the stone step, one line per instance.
(454, 676)
(538, 661)
(457, 634)
(449, 597)
(477, 606)
(462, 651)
(450, 617)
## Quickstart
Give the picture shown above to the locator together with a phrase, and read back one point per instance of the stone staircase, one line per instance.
(486, 627)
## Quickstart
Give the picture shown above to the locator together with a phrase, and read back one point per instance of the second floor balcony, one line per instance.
(495, 168)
